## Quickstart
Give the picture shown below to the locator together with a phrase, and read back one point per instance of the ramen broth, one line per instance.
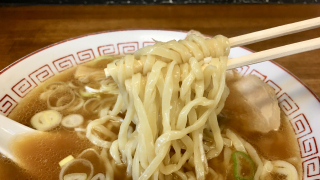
(40, 153)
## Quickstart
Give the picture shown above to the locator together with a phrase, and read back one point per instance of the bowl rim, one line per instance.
(147, 29)
(143, 29)
(81, 36)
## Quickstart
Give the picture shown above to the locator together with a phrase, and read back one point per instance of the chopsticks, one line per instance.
(274, 52)
(275, 32)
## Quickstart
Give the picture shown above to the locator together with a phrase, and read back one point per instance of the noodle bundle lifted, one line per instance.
(170, 101)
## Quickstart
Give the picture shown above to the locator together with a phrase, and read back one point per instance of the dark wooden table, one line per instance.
(25, 29)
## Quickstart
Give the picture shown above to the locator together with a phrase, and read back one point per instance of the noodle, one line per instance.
(285, 168)
(167, 116)
(236, 141)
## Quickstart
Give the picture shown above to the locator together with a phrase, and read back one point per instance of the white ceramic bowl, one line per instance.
(296, 100)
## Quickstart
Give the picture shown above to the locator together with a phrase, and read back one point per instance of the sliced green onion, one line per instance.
(91, 90)
(77, 104)
(72, 121)
(44, 96)
(46, 120)
(75, 162)
(54, 85)
(87, 94)
(99, 176)
(92, 105)
(75, 176)
(59, 105)
(66, 160)
(243, 166)
(74, 84)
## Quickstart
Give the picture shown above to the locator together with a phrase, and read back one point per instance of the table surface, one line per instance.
(24, 29)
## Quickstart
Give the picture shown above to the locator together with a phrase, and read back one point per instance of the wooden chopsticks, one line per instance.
(275, 32)
(275, 52)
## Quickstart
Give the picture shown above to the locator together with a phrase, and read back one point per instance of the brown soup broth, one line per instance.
(275, 145)
(40, 153)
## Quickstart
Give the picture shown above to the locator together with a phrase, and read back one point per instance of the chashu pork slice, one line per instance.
(252, 104)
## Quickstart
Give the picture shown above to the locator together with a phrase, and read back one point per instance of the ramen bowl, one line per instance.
(296, 100)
